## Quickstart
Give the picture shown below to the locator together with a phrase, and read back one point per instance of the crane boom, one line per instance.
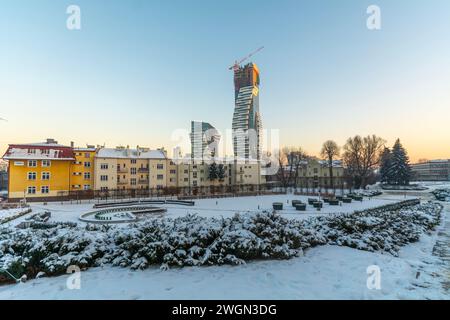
(236, 65)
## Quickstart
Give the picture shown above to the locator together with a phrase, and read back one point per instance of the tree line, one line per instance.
(365, 159)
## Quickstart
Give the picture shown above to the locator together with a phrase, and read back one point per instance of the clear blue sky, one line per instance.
(140, 69)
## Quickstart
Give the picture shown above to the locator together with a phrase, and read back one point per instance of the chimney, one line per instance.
(51, 141)
(72, 144)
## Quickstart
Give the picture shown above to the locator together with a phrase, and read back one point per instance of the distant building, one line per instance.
(204, 140)
(434, 170)
(315, 173)
(247, 123)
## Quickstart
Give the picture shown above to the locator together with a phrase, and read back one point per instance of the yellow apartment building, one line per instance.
(82, 169)
(38, 170)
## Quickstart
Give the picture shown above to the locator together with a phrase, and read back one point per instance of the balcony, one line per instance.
(143, 170)
(122, 182)
(122, 170)
(143, 181)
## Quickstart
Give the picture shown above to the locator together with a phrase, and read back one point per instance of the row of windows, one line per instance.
(86, 155)
(87, 164)
(46, 175)
(44, 190)
(105, 166)
(105, 177)
(44, 163)
(87, 175)
(33, 175)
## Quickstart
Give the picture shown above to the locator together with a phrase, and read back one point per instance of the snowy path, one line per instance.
(442, 249)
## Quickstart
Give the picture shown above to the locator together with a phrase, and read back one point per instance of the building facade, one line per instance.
(434, 170)
(315, 173)
(124, 168)
(247, 123)
(50, 171)
(204, 140)
(39, 170)
(82, 169)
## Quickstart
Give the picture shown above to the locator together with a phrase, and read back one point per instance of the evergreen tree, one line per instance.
(399, 170)
(213, 174)
(385, 164)
(221, 172)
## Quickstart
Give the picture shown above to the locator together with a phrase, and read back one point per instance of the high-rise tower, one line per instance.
(247, 126)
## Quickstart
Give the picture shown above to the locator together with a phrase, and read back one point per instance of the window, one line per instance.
(45, 189)
(31, 175)
(186, 179)
(45, 176)
(185, 172)
(32, 151)
(32, 163)
(103, 189)
(87, 164)
(194, 175)
(133, 181)
(46, 163)
(87, 175)
(87, 155)
(160, 176)
(103, 178)
(173, 171)
(160, 166)
(194, 183)
(87, 187)
(104, 166)
(133, 161)
(133, 170)
(31, 190)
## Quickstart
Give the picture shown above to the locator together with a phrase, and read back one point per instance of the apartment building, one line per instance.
(50, 171)
(125, 168)
(314, 173)
(434, 170)
(82, 169)
(39, 170)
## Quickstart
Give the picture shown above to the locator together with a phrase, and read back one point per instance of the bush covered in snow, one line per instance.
(196, 241)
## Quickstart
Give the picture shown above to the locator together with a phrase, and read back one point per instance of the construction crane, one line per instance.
(237, 63)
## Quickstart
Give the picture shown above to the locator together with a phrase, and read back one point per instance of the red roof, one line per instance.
(39, 151)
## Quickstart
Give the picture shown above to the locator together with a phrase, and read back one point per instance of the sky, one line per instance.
(138, 70)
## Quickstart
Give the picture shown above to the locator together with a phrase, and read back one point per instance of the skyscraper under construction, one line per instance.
(247, 126)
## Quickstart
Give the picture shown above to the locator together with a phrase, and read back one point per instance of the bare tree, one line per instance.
(361, 156)
(289, 161)
(329, 151)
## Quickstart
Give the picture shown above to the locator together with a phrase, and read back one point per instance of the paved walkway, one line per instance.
(442, 248)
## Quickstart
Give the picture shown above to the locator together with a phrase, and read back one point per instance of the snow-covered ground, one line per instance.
(327, 272)
(225, 207)
(8, 213)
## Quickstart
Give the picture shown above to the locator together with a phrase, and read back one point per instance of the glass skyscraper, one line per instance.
(247, 125)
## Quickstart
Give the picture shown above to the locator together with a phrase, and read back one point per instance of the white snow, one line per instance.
(226, 207)
(327, 272)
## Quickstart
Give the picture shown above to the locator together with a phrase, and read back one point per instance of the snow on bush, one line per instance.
(197, 241)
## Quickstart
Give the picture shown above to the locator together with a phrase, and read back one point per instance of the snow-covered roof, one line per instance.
(39, 151)
(123, 153)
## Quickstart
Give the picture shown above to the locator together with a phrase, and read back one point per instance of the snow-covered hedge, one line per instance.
(195, 241)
